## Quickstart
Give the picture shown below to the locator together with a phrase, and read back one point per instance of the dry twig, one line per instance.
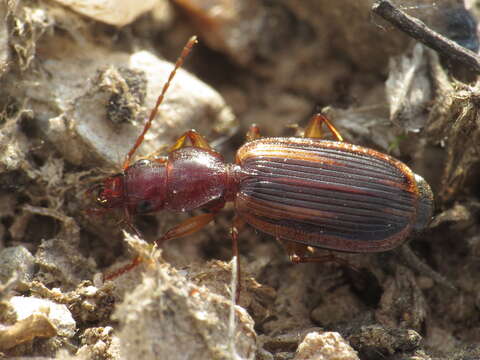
(421, 32)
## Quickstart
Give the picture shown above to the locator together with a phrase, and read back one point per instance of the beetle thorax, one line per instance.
(196, 177)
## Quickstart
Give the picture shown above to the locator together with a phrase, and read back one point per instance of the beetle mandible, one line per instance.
(304, 191)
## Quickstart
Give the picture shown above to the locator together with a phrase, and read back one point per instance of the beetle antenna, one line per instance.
(186, 50)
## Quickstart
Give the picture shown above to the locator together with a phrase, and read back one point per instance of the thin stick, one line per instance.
(419, 31)
(412, 260)
(231, 317)
(186, 50)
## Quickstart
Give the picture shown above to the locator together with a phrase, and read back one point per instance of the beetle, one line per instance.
(305, 191)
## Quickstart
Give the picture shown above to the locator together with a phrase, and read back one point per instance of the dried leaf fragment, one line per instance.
(409, 90)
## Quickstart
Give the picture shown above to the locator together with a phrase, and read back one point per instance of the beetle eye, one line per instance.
(144, 206)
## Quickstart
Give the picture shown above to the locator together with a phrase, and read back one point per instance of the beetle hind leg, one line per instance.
(300, 253)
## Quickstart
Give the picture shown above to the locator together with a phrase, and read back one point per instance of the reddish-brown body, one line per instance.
(327, 194)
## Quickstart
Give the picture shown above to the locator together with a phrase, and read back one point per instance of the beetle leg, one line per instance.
(195, 138)
(128, 221)
(253, 133)
(295, 251)
(187, 227)
(137, 260)
(298, 253)
(215, 206)
(314, 127)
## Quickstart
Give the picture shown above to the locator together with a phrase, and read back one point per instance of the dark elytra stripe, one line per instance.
(343, 208)
(346, 222)
(346, 162)
(322, 221)
(353, 196)
(346, 168)
(360, 201)
(334, 174)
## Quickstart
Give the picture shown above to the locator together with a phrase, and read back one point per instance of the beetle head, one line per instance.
(109, 194)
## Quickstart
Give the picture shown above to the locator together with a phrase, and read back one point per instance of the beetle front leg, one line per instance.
(314, 128)
(195, 138)
(187, 227)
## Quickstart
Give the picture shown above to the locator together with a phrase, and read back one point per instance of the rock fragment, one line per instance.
(170, 317)
(16, 259)
(113, 12)
(325, 346)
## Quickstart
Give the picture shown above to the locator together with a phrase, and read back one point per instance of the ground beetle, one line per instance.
(303, 191)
